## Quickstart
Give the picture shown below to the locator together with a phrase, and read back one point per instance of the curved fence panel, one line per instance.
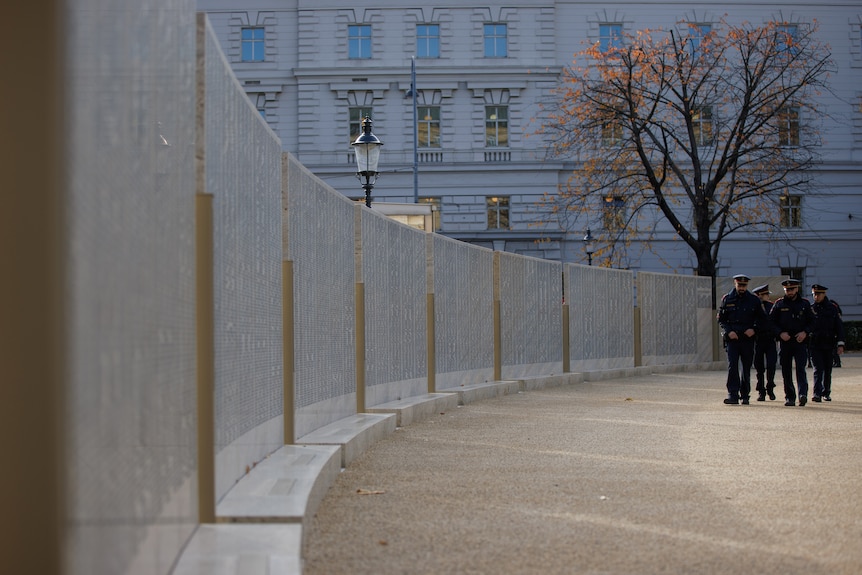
(672, 333)
(129, 387)
(601, 321)
(393, 272)
(242, 167)
(320, 243)
(531, 316)
(463, 287)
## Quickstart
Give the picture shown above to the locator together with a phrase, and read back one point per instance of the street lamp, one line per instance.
(589, 246)
(367, 149)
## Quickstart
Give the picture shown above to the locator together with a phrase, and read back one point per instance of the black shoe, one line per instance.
(761, 396)
(744, 401)
(770, 392)
(731, 401)
(802, 400)
(827, 398)
(815, 398)
(790, 402)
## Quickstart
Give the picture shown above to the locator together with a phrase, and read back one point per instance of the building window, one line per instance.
(496, 126)
(788, 126)
(612, 134)
(791, 211)
(614, 213)
(697, 32)
(427, 41)
(495, 41)
(610, 36)
(357, 114)
(253, 44)
(498, 212)
(260, 104)
(428, 126)
(701, 121)
(359, 41)
(785, 38)
(435, 211)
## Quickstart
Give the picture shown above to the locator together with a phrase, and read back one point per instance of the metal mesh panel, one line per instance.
(463, 308)
(243, 173)
(530, 312)
(601, 318)
(130, 395)
(393, 271)
(671, 332)
(321, 245)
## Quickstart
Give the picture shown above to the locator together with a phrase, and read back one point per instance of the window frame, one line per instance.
(613, 213)
(428, 127)
(498, 212)
(493, 42)
(610, 36)
(430, 41)
(791, 211)
(495, 125)
(248, 51)
(356, 42)
(702, 117)
(789, 126)
(363, 111)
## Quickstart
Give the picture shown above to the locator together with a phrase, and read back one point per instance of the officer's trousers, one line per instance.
(739, 350)
(793, 351)
(822, 360)
(765, 362)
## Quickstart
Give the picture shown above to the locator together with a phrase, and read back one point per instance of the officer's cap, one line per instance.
(790, 282)
(761, 289)
(741, 278)
(818, 288)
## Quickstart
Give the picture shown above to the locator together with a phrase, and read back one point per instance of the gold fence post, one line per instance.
(205, 310)
(360, 347)
(288, 352)
(567, 360)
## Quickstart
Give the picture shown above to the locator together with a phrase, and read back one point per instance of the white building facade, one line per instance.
(314, 68)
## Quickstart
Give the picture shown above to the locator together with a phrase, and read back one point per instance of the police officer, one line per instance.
(792, 318)
(827, 333)
(739, 315)
(765, 352)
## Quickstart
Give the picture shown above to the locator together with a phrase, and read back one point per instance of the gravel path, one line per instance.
(645, 475)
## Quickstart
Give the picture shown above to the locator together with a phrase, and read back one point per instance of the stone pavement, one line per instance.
(644, 475)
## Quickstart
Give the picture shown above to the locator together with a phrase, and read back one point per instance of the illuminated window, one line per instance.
(428, 126)
(613, 212)
(701, 121)
(612, 134)
(498, 212)
(788, 126)
(496, 126)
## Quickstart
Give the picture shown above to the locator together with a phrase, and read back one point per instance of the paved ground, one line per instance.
(643, 476)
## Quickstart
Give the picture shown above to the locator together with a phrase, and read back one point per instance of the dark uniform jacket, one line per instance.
(792, 316)
(739, 312)
(827, 329)
(766, 331)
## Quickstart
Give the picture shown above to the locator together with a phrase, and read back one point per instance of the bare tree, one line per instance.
(711, 129)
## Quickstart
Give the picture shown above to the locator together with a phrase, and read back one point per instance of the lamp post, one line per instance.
(412, 94)
(367, 150)
(589, 246)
